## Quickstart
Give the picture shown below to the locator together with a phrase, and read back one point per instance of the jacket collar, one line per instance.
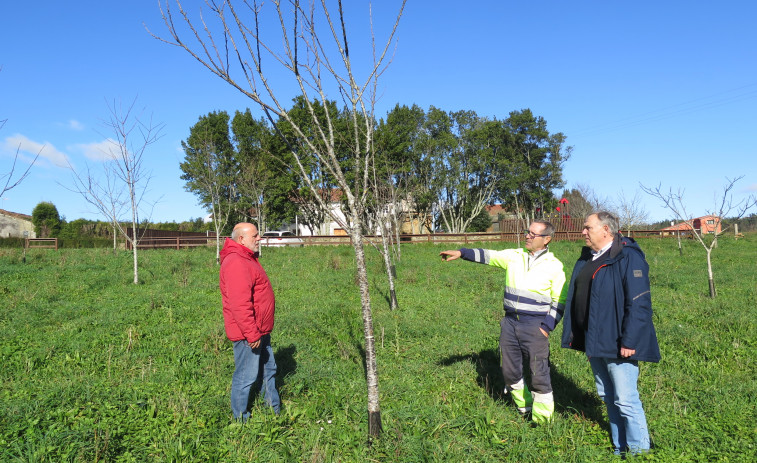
(617, 246)
(618, 243)
(232, 247)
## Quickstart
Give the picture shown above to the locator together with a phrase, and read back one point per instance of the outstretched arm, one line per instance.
(450, 255)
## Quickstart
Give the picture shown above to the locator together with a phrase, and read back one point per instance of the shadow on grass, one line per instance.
(489, 376)
(387, 298)
(384, 293)
(569, 398)
(363, 356)
(572, 400)
(286, 363)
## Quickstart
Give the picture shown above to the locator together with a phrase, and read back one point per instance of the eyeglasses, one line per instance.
(533, 235)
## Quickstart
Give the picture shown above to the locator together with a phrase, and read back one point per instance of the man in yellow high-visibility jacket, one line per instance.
(534, 302)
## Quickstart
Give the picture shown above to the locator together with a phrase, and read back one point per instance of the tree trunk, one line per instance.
(135, 241)
(709, 273)
(712, 288)
(517, 215)
(136, 271)
(371, 369)
(218, 246)
(390, 270)
(396, 236)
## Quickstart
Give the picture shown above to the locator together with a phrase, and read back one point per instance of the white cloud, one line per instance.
(105, 150)
(75, 125)
(29, 149)
(752, 187)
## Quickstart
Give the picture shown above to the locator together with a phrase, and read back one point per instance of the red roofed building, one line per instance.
(707, 224)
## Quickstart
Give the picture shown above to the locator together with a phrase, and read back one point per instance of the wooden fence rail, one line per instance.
(41, 243)
(180, 242)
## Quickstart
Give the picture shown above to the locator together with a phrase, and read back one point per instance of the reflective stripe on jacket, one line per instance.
(534, 291)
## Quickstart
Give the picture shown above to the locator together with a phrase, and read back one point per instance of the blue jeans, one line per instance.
(248, 371)
(616, 381)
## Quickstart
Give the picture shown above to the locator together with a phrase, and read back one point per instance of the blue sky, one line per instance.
(651, 92)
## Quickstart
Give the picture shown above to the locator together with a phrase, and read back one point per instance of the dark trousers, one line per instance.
(521, 341)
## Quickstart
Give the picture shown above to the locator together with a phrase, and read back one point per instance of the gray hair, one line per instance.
(549, 229)
(235, 233)
(606, 218)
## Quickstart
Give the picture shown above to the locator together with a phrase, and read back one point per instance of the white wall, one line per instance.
(14, 227)
(325, 229)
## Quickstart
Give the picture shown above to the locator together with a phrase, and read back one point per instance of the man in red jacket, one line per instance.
(248, 311)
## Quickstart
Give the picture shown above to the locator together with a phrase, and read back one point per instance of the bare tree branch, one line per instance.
(247, 75)
(10, 182)
(674, 201)
(630, 211)
(125, 180)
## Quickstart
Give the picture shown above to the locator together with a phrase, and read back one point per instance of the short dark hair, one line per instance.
(549, 229)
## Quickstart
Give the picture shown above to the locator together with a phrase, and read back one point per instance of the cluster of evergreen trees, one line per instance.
(446, 165)
(443, 165)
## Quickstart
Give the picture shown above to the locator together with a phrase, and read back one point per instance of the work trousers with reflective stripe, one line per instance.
(521, 341)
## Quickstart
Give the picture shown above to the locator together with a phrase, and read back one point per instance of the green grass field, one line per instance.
(97, 369)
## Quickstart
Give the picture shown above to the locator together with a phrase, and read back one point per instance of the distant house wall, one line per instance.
(412, 222)
(330, 227)
(13, 225)
(707, 224)
(497, 214)
(710, 224)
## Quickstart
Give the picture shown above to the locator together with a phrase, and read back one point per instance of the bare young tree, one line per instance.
(310, 45)
(311, 209)
(104, 191)
(725, 205)
(219, 191)
(210, 169)
(250, 185)
(386, 211)
(124, 180)
(592, 201)
(630, 212)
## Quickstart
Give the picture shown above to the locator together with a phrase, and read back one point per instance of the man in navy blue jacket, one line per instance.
(608, 315)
